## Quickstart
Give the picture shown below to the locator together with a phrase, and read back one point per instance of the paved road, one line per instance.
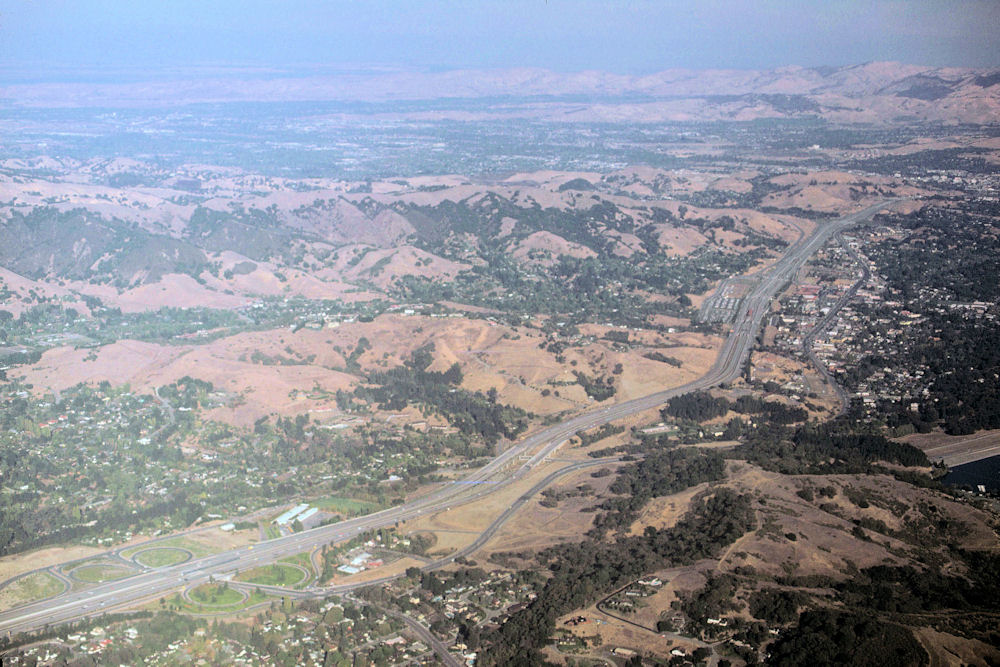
(424, 633)
(57, 569)
(439, 648)
(824, 324)
(956, 450)
(420, 630)
(666, 575)
(722, 305)
(439, 563)
(510, 466)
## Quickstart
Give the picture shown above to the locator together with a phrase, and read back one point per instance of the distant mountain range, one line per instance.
(872, 92)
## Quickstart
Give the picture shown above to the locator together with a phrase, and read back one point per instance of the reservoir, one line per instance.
(985, 472)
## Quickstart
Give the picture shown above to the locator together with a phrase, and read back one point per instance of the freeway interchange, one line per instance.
(510, 466)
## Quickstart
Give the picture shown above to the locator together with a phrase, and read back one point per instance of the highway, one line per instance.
(480, 541)
(956, 450)
(510, 466)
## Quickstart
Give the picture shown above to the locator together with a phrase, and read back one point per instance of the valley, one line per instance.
(663, 379)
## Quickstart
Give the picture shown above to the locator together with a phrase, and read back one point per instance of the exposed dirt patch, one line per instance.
(949, 650)
(536, 526)
(16, 564)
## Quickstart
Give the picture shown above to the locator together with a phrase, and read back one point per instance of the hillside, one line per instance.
(245, 238)
(878, 91)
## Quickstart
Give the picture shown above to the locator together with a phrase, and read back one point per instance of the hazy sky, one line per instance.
(622, 36)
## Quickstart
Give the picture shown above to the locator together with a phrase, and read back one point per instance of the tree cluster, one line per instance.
(585, 571)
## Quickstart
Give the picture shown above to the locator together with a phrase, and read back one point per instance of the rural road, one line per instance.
(510, 466)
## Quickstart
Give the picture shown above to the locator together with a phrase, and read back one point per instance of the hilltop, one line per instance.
(879, 92)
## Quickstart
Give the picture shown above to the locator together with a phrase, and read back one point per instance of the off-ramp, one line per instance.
(511, 465)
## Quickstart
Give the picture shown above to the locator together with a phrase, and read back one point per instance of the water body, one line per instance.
(985, 472)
